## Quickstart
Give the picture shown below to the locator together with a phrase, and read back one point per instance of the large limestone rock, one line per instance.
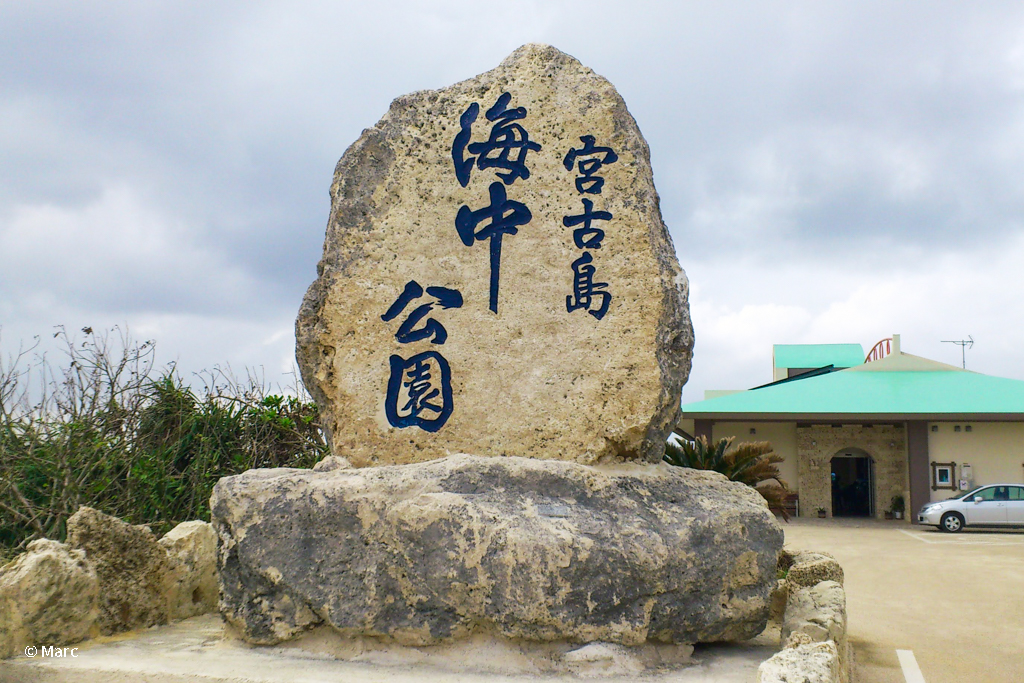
(138, 579)
(48, 596)
(565, 336)
(522, 548)
(192, 546)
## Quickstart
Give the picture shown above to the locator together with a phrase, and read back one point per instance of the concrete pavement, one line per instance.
(955, 600)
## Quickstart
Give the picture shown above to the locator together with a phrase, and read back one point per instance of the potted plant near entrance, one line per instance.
(822, 512)
(897, 506)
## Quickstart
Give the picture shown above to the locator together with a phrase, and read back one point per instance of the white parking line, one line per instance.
(911, 671)
(962, 539)
(919, 537)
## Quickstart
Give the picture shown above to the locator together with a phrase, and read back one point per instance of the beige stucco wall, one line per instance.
(781, 435)
(686, 425)
(995, 451)
(817, 444)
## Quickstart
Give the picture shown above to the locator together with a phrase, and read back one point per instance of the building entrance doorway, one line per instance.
(853, 484)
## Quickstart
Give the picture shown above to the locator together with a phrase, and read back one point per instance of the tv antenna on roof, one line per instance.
(964, 344)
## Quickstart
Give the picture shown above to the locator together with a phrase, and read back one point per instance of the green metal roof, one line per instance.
(817, 355)
(937, 394)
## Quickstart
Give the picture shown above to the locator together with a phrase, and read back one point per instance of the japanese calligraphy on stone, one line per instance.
(506, 149)
(419, 389)
(587, 293)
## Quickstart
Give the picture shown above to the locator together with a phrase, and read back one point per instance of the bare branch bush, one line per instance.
(101, 429)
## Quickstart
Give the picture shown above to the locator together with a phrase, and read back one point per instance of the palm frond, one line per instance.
(751, 463)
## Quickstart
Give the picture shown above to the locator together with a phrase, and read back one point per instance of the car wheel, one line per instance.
(952, 521)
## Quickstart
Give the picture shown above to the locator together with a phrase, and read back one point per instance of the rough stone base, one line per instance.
(486, 654)
(524, 549)
(195, 650)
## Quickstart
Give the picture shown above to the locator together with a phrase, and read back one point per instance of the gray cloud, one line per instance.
(169, 162)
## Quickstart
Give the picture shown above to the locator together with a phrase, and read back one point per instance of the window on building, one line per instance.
(943, 475)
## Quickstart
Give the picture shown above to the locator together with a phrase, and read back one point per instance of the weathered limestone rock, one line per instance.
(603, 659)
(796, 639)
(332, 462)
(786, 558)
(138, 579)
(819, 612)
(811, 663)
(48, 596)
(809, 568)
(780, 595)
(192, 546)
(512, 329)
(522, 548)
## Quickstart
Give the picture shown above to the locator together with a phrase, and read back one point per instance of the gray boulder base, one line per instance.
(530, 374)
(540, 550)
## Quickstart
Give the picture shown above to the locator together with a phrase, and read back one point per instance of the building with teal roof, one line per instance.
(789, 360)
(857, 431)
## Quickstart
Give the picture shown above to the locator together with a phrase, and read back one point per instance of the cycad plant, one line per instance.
(752, 463)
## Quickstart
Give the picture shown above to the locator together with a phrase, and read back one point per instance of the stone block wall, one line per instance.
(816, 445)
(815, 646)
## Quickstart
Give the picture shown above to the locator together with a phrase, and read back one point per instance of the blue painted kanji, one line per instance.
(587, 237)
(585, 290)
(504, 216)
(419, 392)
(588, 181)
(407, 332)
(506, 146)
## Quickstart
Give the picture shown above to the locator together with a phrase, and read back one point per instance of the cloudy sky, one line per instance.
(830, 172)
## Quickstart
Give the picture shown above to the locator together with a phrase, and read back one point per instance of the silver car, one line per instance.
(991, 505)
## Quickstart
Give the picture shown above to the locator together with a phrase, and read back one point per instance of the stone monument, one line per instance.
(497, 340)
(497, 278)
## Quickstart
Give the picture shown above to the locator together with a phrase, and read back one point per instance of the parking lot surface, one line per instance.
(956, 601)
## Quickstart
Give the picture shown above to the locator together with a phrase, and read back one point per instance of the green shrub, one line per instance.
(104, 430)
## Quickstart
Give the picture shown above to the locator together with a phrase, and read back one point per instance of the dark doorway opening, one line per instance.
(853, 484)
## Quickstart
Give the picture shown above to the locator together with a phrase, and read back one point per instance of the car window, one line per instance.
(966, 496)
(985, 494)
(1002, 493)
(1017, 493)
